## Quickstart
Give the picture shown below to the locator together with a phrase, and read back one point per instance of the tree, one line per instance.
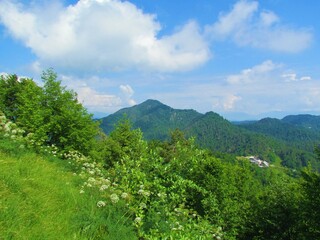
(52, 113)
(10, 88)
(124, 142)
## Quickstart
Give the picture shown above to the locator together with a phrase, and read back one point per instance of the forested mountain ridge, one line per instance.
(267, 138)
(155, 119)
(304, 120)
(284, 129)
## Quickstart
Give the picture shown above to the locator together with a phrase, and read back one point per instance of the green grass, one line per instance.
(40, 199)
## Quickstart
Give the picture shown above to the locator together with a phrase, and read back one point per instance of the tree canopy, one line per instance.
(51, 114)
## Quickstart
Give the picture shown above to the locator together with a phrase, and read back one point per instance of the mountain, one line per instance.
(304, 120)
(298, 131)
(268, 138)
(154, 118)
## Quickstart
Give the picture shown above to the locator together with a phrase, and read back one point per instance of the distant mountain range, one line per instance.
(293, 136)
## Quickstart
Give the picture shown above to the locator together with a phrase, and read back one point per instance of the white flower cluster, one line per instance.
(101, 204)
(177, 227)
(114, 198)
(143, 192)
(10, 129)
(219, 234)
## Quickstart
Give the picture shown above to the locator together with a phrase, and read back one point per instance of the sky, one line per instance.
(243, 59)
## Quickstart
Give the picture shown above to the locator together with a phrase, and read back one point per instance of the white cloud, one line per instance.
(268, 18)
(230, 101)
(103, 35)
(289, 77)
(254, 74)
(234, 20)
(305, 78)
(293, 77)
(128, 92)
(246, 26)
(254, 90)
(96, 101)
(90, 97)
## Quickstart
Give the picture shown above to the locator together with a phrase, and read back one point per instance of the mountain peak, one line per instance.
(152, 103)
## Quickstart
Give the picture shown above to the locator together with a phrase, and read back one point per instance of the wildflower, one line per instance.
(101, 204)
(114, 198)
(103, 187)
(162, 195)
(140, 192)
(146, 193)
(137, 220)
(124, 195)
(143, 205)
(91, 180)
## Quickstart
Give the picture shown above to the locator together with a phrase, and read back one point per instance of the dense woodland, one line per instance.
(160, 189)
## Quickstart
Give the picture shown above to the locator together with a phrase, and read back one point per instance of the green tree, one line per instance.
(124, 142)
(10, 89)
(52, 113)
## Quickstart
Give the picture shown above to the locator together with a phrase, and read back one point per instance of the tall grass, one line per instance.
(40, 199)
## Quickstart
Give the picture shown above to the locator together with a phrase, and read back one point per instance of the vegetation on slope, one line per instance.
(269, 139)
(304, 120)
(155, 119)
(41, 199)
(122, 186)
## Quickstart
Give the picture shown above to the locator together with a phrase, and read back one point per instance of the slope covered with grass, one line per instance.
(41, 199)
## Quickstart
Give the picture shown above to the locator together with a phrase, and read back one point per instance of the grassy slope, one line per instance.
(40, 199)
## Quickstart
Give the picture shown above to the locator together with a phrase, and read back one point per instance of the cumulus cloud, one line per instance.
(104, 35)
(247, 26)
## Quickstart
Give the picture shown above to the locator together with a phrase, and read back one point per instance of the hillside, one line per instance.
(285, 130)
(41, 199)
(155, 119)
(214, 132)
(264, 138)
(62, 178)
(304, 120)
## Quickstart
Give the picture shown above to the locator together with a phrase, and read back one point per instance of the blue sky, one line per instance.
(243, 59)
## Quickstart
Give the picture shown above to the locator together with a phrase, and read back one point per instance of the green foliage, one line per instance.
(51, 113)
(123, 142)
(155, 119)
(270, 139)
(122, 187)
(304, 120)
(40, 199)
(311, 204)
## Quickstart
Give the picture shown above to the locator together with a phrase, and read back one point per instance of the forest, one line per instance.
(136, 188)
